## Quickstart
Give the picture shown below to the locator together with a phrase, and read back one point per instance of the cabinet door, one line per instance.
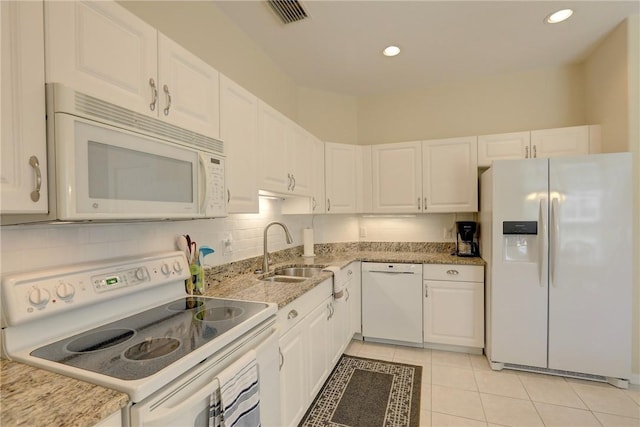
(272, 136)
(22, 109)
(340, 177)
(397, 177)
(239, 131)
(189, 89)
(354, 300)
(299, 160)
(294, 376)
(454, 313)
(503, 146)
(319, 347)
(100, 48)
(318, 200)
(450, 175)
(569, 141)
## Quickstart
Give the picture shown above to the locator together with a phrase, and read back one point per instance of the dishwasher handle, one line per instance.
(391, 272)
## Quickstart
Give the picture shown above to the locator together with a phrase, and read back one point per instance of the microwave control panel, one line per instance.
(215, 197)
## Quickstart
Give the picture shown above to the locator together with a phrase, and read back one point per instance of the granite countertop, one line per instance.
(248, 286)
(32, 396)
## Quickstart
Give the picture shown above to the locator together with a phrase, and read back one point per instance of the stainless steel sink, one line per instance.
(283, 279)
(298, 271)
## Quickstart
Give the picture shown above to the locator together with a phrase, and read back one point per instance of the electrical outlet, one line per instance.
(363, 232)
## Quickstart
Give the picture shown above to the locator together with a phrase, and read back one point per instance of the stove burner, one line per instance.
(188, 303)
(219, 314)
(100, 340)
(152, 348)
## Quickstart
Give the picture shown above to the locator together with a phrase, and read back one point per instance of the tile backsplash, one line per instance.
(28, 247)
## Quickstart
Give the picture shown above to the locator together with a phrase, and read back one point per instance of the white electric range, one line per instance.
(127, 324)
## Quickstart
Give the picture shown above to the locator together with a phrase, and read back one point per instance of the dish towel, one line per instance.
(338, 282)
(237, 402)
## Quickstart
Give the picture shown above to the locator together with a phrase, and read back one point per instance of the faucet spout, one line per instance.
(265, 260)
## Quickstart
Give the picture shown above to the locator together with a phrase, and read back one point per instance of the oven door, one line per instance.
(104, 172)
(185, 401)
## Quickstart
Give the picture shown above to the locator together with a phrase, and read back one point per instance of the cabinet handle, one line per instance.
(347, 297)
(453, 272)
(328, 205)
(425, 204)
(166, 92)
(35, 164)
(281, 359)
(526, 152)
(426, 292)
(289, 185)
(535, 152)
(292, 314)
(228, 195)
(154, 93)
(329, 308)
(349, 272)
(314, 204)
(419, 201)
(293, 187)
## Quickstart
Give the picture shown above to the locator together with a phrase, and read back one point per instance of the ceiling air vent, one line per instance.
(288, 10)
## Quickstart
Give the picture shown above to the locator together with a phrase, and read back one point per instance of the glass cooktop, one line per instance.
(141, 345)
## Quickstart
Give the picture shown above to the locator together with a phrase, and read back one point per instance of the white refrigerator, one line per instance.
(556, 234)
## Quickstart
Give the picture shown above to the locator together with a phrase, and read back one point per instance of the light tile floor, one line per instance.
(460, 389)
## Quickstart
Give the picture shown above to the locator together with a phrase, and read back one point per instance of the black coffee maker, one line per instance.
(466, 239)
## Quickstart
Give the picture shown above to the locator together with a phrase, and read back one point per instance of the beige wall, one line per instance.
(633, 45)
(537, 99)
(607, 90)
(329, 116)
(612, 82)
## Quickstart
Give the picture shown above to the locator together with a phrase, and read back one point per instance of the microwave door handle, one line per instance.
(165, 412)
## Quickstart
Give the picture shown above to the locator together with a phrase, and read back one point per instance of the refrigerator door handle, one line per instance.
(554, 240)
(542, 238)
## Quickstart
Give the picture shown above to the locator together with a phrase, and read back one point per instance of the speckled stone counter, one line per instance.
(35, 397)
(248, 286)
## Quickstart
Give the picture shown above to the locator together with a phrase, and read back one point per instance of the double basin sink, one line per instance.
(292, 274)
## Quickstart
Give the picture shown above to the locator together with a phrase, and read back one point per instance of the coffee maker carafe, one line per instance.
(466, 239)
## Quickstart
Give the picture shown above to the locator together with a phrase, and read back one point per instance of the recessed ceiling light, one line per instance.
(391, 51)
(559, 16)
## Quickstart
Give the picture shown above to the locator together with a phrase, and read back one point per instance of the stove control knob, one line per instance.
(177, 267)
(65, 290)
(39, 297)
(165, 269)
(141, 274)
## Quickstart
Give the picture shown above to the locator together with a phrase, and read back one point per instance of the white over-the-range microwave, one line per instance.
(108, 163)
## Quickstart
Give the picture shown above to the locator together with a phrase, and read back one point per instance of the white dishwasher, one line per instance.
(392, 302)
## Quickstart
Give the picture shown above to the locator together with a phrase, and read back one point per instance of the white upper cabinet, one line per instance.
(299, 153)
(449, 175)
(318, 200)
(515, 145)
(397, 177)
(104, 50)
(239, 131)
(286, 154)
(189, 89)
(341, 177)
(23, 173)
(567, 141)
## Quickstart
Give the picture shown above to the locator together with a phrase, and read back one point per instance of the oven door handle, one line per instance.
(165, 413)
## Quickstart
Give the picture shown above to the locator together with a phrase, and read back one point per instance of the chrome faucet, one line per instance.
(265, 261)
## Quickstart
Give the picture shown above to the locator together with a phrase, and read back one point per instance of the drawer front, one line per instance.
(453, 272)
(292, 313)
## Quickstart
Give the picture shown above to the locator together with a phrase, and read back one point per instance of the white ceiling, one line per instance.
(339, 47)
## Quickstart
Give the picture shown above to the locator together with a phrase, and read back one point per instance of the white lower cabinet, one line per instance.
(314, 331)
(453, 312)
